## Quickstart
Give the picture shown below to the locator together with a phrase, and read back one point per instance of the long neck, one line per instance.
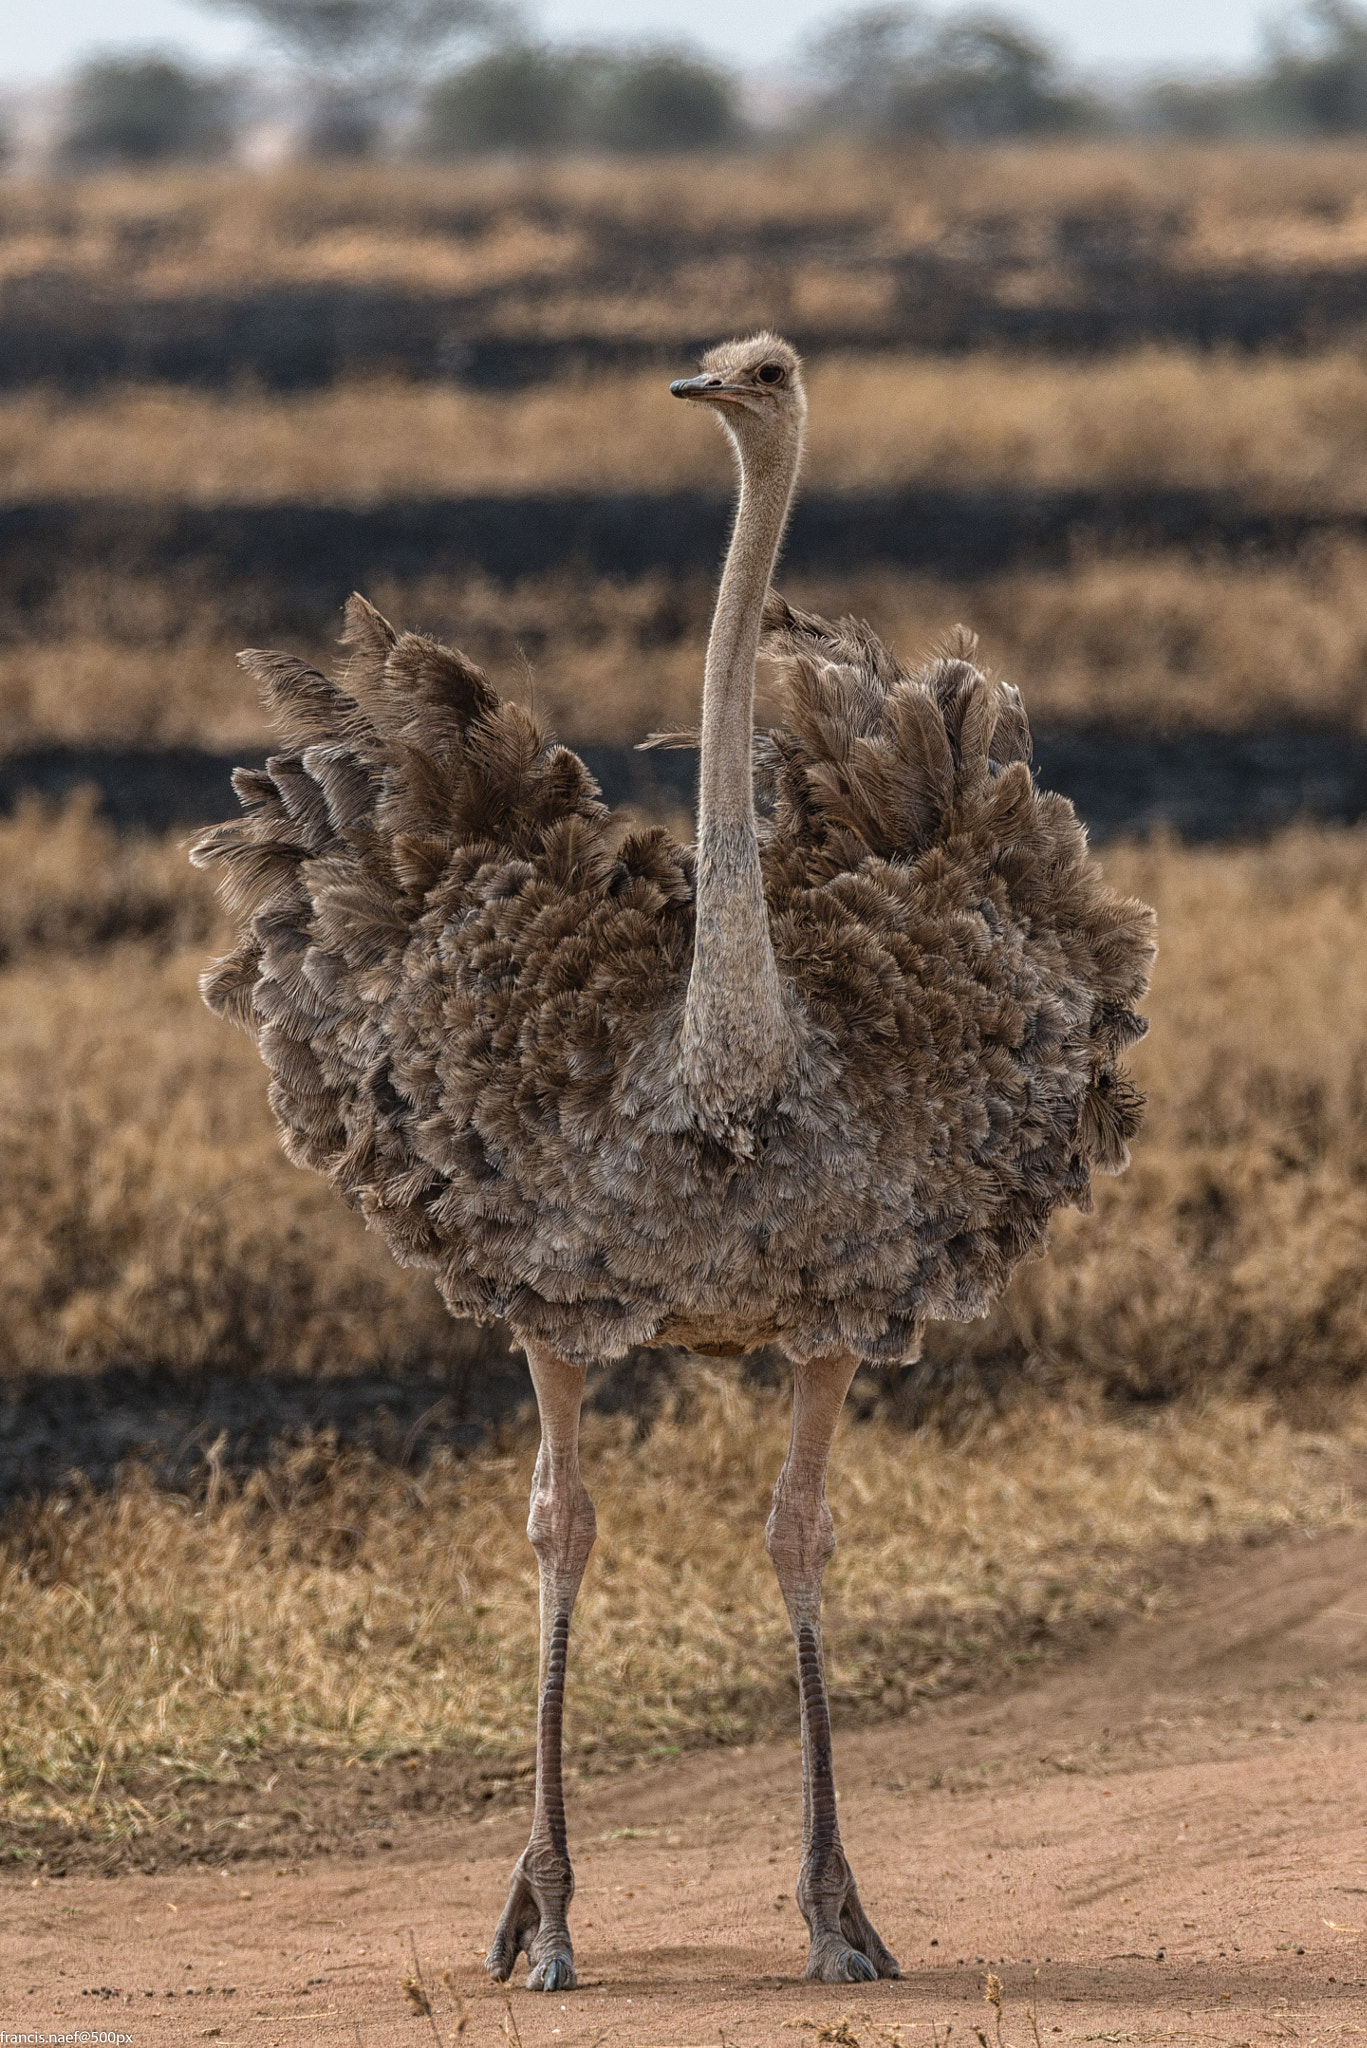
(737, 1042)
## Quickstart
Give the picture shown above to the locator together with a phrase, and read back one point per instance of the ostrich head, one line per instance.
(755, 388)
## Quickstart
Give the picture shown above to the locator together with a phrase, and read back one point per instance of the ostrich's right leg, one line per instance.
(562, 1527)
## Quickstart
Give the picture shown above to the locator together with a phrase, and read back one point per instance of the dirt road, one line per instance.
(1164, 1840)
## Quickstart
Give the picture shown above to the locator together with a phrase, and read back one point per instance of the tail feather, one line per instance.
(394, 783)
(412, 689)
(426, 679)
(920, 767)
(228, 985)
(788, 631)
(255, 788)
(368, 633)
(348, 787)
(871, 749)
(251, 871)
(874, 759)
(961, 693)
(1011, 741)
(306, 706)
(302, 799)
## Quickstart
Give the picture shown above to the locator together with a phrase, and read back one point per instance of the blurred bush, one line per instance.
(887, 73)
(536, 97)
(1199, 110)
(666, 100)
(1316, 78)
(1313, 81)
(524, 97)
(974, 77)
(344, 123)
(145, 110)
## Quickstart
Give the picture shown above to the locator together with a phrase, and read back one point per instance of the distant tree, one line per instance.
(666, 100)
(1316, 76)
(1312, 81)
(363, 57)
(965, 77)
(144, 110)
(535, 97)
(524, 97)
(1198, 109)
(370, 39)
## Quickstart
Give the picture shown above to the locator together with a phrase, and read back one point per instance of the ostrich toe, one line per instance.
(846, 1946)
(832, 1963)
(534, 1921)
(556, 1973)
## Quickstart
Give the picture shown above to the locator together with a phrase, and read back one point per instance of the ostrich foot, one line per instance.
(846, 1946)
(534, 1919)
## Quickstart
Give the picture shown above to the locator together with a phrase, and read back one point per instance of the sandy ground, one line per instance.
(1161, 1840)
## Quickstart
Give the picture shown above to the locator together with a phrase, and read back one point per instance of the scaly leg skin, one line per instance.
(562, 1527)
(846, 1947)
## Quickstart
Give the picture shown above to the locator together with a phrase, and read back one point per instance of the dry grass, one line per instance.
(148, 1219)
(337, 1604)
(1160, 641)
(70, 884)
(1163, 641)
(108, 659)
(422, 227)
(87, 692)
(1232, 1250)
(1287, 430)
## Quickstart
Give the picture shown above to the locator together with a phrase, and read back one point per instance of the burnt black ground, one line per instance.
(1109, 296)
(299, 561)
(1200, 785)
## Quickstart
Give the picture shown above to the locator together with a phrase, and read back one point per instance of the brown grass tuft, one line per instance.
(808, 236)
(415, 1994)
(332, 1603)
(1289, 430)
(70, 884)
(1126, 640)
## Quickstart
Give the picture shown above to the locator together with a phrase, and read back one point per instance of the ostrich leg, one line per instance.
(562, 1527)
(846, 1947)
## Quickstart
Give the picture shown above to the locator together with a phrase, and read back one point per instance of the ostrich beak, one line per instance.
(707, 387)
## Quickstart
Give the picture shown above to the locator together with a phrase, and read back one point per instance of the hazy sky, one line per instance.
(44, 36)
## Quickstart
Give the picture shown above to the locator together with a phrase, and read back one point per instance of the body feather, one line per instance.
(469, 989)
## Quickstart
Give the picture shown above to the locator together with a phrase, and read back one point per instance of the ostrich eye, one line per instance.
(770, 373)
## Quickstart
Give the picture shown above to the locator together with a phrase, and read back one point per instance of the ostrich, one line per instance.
(819, 1080)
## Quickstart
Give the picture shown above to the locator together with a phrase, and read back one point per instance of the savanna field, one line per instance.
(1042, 334)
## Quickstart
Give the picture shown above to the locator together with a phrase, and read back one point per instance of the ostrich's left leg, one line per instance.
(846, 1947)
(562, 1526)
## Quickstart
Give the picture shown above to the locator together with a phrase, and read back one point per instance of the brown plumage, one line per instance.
(813, 1083)
(468, 992)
